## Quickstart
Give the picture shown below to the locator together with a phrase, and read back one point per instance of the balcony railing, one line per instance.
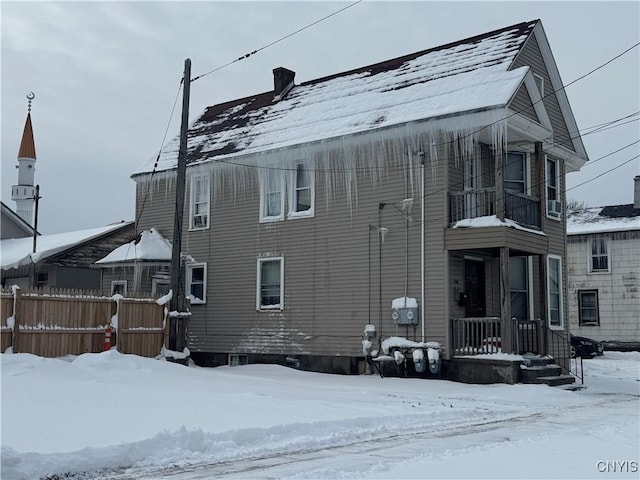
(481, 203)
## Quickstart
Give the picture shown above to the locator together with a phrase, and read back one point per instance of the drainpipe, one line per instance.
(422, 295)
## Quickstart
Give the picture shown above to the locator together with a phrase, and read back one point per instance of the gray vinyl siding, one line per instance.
(522, 104)
(332, 278)
(155, 204)
(530, 56)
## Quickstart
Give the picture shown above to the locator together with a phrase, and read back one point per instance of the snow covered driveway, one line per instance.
(123, 417)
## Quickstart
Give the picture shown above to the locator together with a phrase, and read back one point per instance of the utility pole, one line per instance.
(36, 198)
(178, 300)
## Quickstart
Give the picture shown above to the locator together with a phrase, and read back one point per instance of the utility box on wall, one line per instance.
(404, 311)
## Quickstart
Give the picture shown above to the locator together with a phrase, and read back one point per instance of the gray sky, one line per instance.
(106, 74)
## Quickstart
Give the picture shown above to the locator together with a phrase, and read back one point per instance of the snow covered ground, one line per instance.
(124, 417)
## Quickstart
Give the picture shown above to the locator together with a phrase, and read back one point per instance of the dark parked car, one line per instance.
(585, 347)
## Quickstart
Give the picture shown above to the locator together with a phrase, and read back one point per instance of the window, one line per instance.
(272, 196)
(160, 286)
(588, 307)
(197, 282)
(200, 194)
(515, 173)
(554, 205)
(270, 284)
(599, 255)
(519, 286)
(539, 83)
(119, 287)
(554, 291)
(301, 196)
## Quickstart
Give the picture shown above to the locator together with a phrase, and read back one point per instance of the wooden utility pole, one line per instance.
(177, 287)
(36, 198)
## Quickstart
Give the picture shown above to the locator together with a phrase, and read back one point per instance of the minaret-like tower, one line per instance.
(24, 192)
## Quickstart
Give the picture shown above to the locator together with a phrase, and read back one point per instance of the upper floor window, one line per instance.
(272, 196)
(554, 203)
(515, 173)
(599, 255)
(554, 292)
(539, 83)
(270, 284)
(196, 286)
(199, 203)
(301, 195)
(588, 307)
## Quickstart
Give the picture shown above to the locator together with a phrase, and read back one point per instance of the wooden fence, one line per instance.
(53, 323)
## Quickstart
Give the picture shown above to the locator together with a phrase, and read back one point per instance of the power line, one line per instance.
(276, 41)
(603, 173)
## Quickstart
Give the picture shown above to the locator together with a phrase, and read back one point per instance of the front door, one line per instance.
(475, 305)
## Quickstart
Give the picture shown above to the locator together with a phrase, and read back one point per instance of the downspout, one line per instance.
(422, 294)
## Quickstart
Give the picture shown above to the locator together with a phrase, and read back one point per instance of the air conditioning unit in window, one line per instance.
(555, 207)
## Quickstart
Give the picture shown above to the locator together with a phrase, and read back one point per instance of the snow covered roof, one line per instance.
(16, 220)
(149, 246)
(18, 251)
(469, 75)
(614, 218)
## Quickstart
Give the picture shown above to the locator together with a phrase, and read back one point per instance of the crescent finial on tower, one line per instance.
(30, 97)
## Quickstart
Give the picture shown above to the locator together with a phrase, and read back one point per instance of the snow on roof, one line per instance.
(18, 251)
(614, 218)
(150, 245)
(469, 75)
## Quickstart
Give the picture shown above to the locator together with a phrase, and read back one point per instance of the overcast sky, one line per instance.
(106, 74)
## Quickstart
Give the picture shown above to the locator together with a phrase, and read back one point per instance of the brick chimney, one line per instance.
(282, 82)
(636, 192)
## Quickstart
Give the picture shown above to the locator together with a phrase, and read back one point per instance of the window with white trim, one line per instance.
(196, 287)
(539, 83)
(270, 284)
(519, 287)
(554, 292)
(119, 287)
(302, 192)
(599, 255)
(552, 181)
(588, 307)
(515, 172)
(199, 202)
(272, 187)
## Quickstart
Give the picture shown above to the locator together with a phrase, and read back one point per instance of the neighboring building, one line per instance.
(437, 176)
(13, 225)
(63, 260)
(141, 265)
(603, 259)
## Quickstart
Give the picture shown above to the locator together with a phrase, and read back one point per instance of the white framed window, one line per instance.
(554, 292)
(539, 83)
(119, 287)
(516, 173)
(160, 286)
(200, 194)
(588, 307)
(301, 192)
(599, 255)
(196, 287)
(272, 192)
(552, 181)
(520, 281)
(270, 284)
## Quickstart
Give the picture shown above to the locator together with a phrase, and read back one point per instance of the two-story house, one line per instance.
(435, 178)
(603, 259)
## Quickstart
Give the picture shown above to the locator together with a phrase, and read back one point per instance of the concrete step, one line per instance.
(556, 380)
(532, 373)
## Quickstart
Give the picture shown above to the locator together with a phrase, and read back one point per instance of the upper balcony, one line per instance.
(521, 208)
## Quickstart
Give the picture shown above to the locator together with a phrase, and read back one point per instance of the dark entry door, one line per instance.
(475, 305)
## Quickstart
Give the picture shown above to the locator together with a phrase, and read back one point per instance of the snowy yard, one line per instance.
(124, 417)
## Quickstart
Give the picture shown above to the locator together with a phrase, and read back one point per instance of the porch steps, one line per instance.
(540, 370)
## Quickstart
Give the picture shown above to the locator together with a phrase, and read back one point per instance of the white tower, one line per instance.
(24, 192)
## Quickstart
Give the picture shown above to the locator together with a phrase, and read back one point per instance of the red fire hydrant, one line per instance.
(107, 339)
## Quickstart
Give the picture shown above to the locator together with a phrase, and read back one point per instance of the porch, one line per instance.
(469, 204)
